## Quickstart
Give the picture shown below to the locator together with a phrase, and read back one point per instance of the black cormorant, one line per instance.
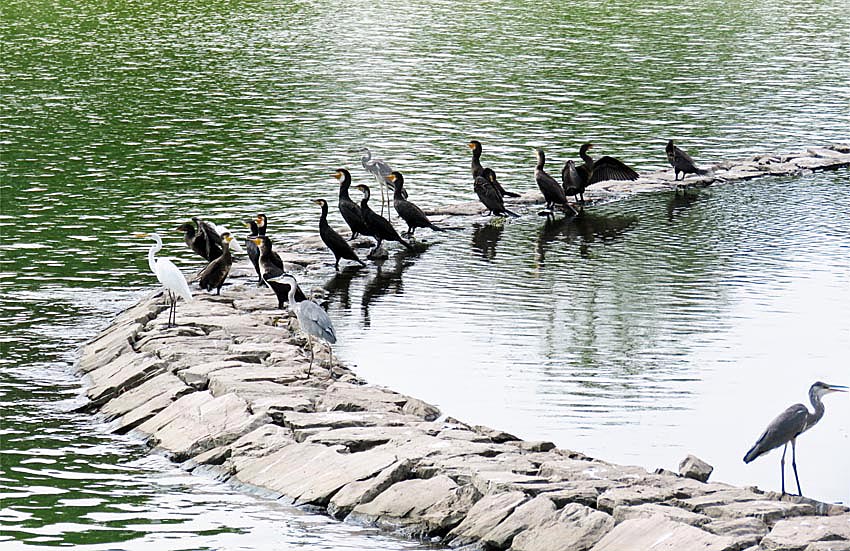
(477, 169)
(408, 211)
(214, 274)
(349, 209)
(376, 225)
(682, 162)
(552, 191)
(489, 195)
(334, 241)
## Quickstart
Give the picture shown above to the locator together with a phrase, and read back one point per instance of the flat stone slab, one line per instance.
(769, 511)
(648, 510)
(576, 527)
(535, 512)
(121, 374)
(198, 422)
(312, 473)
(661, 534)
(484, 516)
(364, 491)
(797, 534)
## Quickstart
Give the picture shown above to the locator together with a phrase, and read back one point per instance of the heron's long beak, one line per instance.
(141, 235)
(838, 388)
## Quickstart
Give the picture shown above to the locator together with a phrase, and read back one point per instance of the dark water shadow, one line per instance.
(339, 286)
(585, 227)
(680, 201)
(485, 237)
(388, 277)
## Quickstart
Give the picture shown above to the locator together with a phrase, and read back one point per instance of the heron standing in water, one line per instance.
(790, 424)
(169, 275)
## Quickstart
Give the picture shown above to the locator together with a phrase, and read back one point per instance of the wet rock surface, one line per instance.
(227, 394)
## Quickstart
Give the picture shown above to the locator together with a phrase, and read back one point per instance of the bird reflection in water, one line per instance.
(586, 226)
(486, 236)
(680, 202)
(387, 277)
(339, 286)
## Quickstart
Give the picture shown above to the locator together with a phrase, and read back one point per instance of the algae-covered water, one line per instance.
(656, 327)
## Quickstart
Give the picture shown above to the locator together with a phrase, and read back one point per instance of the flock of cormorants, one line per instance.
(214, 244)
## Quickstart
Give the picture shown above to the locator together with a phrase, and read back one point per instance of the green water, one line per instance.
(656, 329)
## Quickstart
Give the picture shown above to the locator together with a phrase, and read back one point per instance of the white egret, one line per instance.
(168, 275)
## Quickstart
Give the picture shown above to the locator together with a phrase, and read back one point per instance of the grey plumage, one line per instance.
(790, 424)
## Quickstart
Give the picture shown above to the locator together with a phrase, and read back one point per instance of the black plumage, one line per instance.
(376, 225)
(334, 241)
(603, 168)
(682, 162)
(552, 191)
(478, 168)
(350, 210)
(199, 239)
(213, 239)
(271, 266)
(252, 249)
(408, 211)
(489, 195)
(216, 272)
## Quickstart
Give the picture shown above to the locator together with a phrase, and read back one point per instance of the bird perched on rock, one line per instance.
(334, 241)
(252, 248)
(478, 168)
(271, 267)
(576, 178)
(376, 225)
(489, 195)
(312, 318)
(408, 211)
(790, 424)
(171, 278)
(682, 162)
(349, 210)
(204, 240)
(216, 272)
(552, 191)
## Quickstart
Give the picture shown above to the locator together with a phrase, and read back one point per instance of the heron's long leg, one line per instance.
(310, 342)
(794, 464)
(331, 366)
(782, 464)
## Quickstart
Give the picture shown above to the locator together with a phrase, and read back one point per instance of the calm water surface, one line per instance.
(651, 328)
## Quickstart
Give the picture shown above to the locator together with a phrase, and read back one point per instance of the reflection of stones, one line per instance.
(586, 226)
(485, 237)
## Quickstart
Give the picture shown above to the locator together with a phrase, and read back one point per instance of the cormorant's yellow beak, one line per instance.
(141, 235)
(257, 241)
(227, 237)
(391, 177)
(471, 145)
(338, 175)
(317, 201)
(259, 220)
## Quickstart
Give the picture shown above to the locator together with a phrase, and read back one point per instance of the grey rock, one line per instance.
(312, 473)
(420, 409)
(631, 495)
(695, 468)
(139, 404)
(347, 397)
(828, 546)
(576, 528)
(121, 374)
(200, 424)
(660, 534)
(535, 512)
(648, 510)
(746, 531)
(364, 491)
(796, 534)
(769, 511)
(484, 516)
(197, 376)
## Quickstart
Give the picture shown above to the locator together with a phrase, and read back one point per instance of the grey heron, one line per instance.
(168, 275)
(312, 318)
(790, 424)
(379, 170)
